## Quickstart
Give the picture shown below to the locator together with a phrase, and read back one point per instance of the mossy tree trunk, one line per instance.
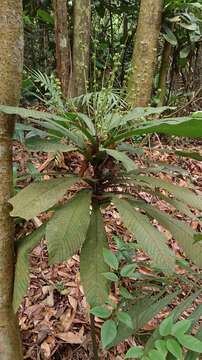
(81, 46)
(140, 82)
(63, 50)
(165, 64)
(11, 59)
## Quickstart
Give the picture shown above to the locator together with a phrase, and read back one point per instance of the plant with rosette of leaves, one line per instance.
(101, 139)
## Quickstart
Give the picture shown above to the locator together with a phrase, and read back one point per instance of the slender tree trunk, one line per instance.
(145, 53)
(11, 59)
(198, 69)
(165, 64)
(63, 50)
(81, 46)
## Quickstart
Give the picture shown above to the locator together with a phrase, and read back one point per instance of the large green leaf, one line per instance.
(59, 130)
(186, 127)
(149, 238)
(46, 120)
(88, 122)
(135, 114)
(185, 195)
(27, 113)
(181, 232)
(48, 145)
(123, 158)
(191, 155)
(66, 231)
(92, 262)
(24, 247)
(40, 196)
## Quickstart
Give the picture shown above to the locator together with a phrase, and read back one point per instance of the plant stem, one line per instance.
(93, 336)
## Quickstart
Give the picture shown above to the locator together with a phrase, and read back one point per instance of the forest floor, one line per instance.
(53, 317)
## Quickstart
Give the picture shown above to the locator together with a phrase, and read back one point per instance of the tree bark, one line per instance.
(81, 46)
(165, 64)
(145, 52)
(63, 49)
(198, 69)
(11, 60)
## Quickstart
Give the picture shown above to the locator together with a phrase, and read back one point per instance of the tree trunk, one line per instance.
(63, 50)
(165, 64)
(145, 52)
(11, 59)
(81, 46)
(198, 70)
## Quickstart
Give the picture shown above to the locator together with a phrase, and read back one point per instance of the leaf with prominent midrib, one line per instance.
(123, 158)
(40, 196)
(24, 247)
(92, 262)
(48, 145)
(150, 239)
(66, 231)
(185, 195)
(182, 233)
(185, 126)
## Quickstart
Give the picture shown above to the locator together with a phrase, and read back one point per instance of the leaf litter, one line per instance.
(54, 316)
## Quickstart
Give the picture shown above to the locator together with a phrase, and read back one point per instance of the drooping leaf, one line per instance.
(40, 196)
(184, 127)
(88, 122)
(67, 229)
(56, 129)
(46, 120)
(108, 332)
(92, 264)
(150, 239)
(191, 155)
(27, 113)
(130, 149)
(185, 195)
(182, 233)
(51, 145)
(24, 247)
(134, 115)
(123, 158)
